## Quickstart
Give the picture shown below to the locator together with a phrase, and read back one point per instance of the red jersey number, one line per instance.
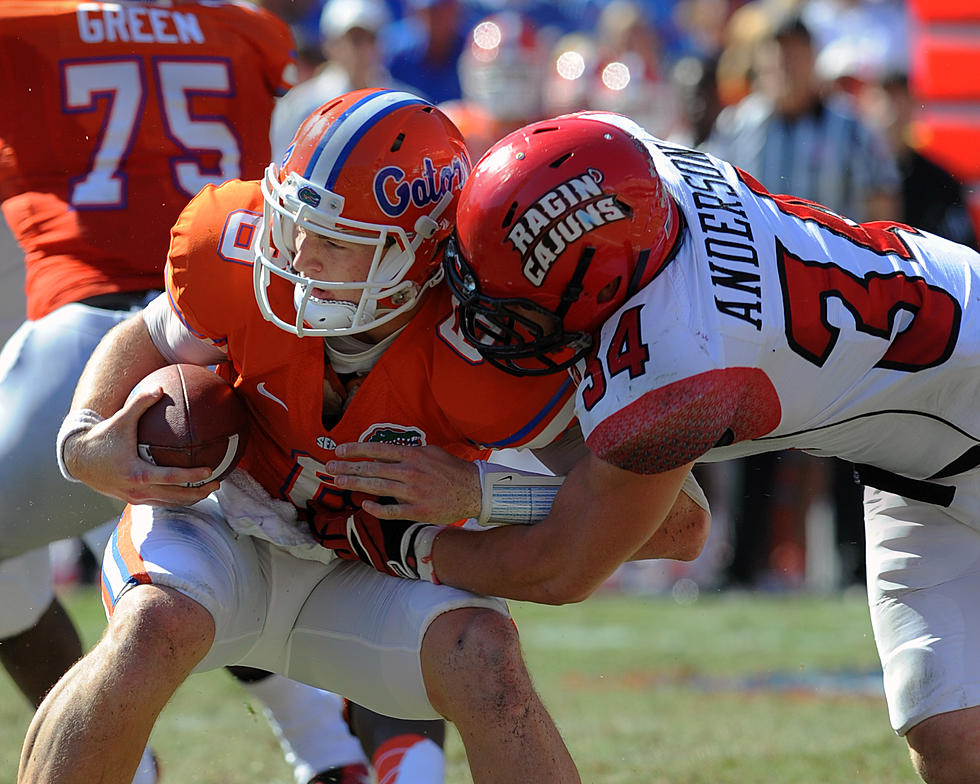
(875, 300)
(626, 352)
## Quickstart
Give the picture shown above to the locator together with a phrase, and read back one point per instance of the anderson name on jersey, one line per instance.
(428, 387)
(779, 324)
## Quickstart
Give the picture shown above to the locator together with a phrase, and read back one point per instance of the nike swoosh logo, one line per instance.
(266, 393)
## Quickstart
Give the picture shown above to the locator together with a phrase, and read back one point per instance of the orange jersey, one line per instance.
(114, 116)
(428, 387)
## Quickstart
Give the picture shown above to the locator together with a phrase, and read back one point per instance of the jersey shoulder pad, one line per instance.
(488, 406)
(209, 267)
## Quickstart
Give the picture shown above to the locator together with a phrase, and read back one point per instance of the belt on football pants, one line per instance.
(916, 489)
(121, 300)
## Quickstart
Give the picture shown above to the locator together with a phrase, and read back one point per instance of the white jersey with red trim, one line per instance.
(779, 324)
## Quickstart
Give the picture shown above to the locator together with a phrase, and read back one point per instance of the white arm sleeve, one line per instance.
(174, 340)
(512, 495)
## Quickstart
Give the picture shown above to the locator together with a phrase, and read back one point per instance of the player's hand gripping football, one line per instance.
(105, 458)
(429, 484)
(400, 548)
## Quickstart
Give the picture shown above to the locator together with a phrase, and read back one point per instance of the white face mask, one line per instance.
(335, 316)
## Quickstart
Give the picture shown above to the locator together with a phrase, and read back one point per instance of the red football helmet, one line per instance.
(381, 168)
(559, 224)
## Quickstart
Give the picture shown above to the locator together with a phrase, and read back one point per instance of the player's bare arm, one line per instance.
(681, 536)
(105, 456)
(593, 527)
(432, 486)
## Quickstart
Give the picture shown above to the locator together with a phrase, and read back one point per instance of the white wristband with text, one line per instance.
(81, 420)
(515, 497)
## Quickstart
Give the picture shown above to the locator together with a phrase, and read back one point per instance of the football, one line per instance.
(199, 420)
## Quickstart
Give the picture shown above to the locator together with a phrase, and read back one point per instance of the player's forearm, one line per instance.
(123, 357)
(601, 517)
(513, 562)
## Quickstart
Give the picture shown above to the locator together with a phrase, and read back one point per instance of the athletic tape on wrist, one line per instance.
(81, 420)
(422, 546)
(513, 497)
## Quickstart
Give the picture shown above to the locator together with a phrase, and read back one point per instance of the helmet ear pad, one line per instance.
(381, 168)
(608, 294)
(283, 232)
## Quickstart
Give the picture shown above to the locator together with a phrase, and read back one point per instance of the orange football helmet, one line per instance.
(382, 168)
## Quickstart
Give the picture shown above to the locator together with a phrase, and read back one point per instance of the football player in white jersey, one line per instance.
(704, 318)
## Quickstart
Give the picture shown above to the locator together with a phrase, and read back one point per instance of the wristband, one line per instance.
(422, 545)
(80, 420)
(514, 497)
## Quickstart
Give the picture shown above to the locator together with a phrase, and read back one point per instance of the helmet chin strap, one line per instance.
(574, 288)
(427, 225)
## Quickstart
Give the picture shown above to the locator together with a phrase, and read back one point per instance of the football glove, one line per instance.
(401, 548)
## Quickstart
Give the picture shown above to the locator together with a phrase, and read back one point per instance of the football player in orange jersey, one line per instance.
(115, 115)
(199, 577)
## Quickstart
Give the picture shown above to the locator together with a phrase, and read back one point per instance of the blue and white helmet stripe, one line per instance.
(343, 135)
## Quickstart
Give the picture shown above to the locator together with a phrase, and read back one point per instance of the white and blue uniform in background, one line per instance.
(39, 367)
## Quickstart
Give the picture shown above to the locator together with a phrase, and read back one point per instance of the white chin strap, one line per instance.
(335, 314)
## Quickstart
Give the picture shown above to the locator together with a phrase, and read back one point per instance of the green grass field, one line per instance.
(731, 689)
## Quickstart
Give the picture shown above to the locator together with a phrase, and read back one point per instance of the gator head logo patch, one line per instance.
(308, 196)
(558, 218)
(387, 433)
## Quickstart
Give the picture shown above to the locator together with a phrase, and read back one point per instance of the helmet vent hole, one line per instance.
(396, 145)
(559, 161)
(428, 109)
(509, 216)
(328, 107)
(546, 129)
(608, 291)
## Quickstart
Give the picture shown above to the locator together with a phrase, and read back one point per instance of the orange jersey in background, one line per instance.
(114, 116)
(427, 388)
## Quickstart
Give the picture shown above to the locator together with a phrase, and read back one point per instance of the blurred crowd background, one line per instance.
(870, 107)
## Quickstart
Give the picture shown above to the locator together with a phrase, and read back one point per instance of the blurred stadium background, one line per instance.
(669, 675)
